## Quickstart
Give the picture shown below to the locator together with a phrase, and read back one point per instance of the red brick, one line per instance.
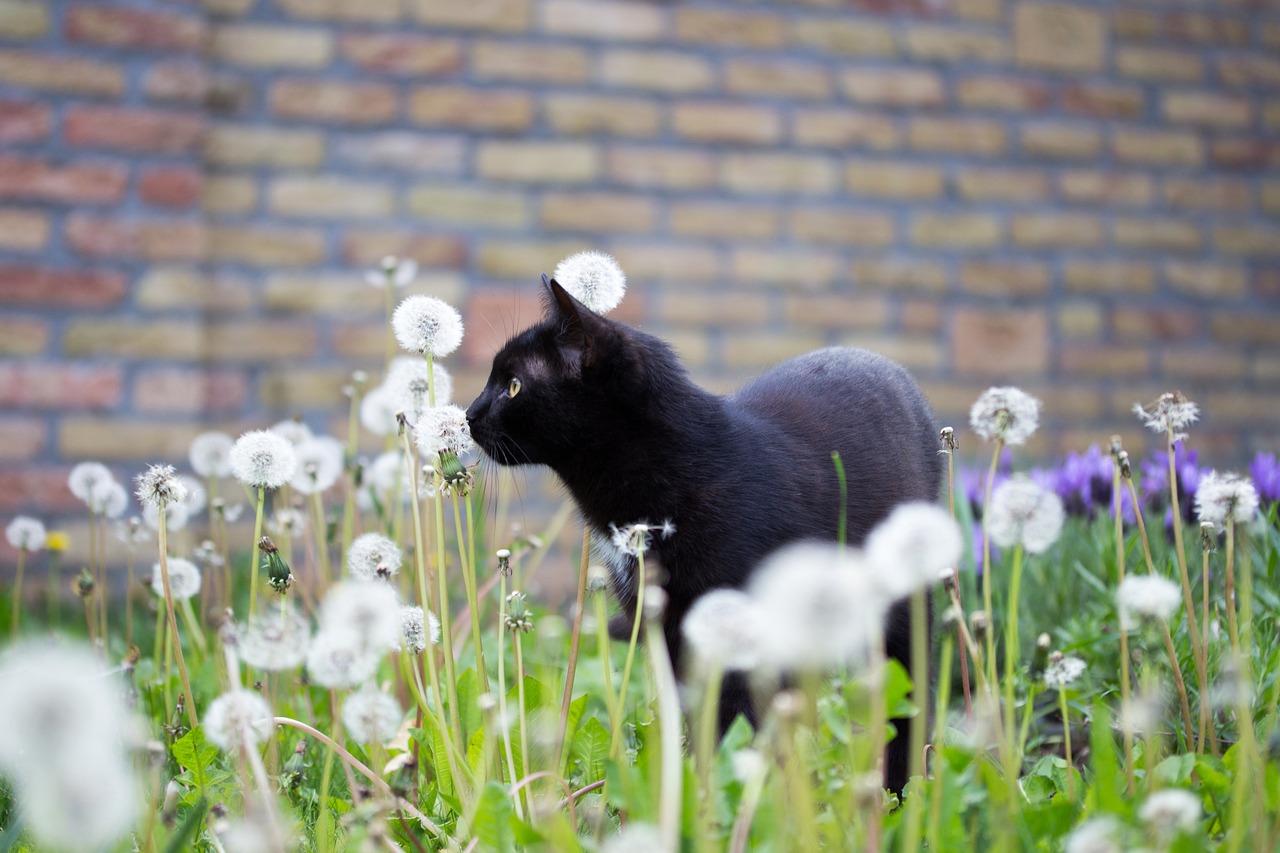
(36, 70)
(727, 122)
(999, 342)
(32, 385)
(402, 54)
(42, 286)
(21, 439)
(333, 100)
(898, 87)
(153, 239)
(1094, 360)
(37, 489)
(136, 29)
(475, 109)
(75, 183)
(179, 390)
(171, 186)
(180, 82)
(1136, 24)
(1100, 100)
(131, 129)
(24, 121)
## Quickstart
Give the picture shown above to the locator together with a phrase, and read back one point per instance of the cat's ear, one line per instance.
(580, 328)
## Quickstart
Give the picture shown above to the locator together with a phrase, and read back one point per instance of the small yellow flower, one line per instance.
(59, 540)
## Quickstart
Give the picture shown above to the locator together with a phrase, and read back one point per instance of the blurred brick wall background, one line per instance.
(1081, 198)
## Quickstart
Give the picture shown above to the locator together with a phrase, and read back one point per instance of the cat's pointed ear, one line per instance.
(579, 328)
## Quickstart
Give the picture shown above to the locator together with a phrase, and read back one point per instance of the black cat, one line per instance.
(615, 415)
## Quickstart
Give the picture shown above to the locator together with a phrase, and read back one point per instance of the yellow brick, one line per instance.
(1061, 141)
(765, 349)
(23, 230)
(727, 122)
(317, 293)
(661, 167)
(802, 270)
(301, 388)
(779, 78)
(1097, 187)
(845, 37)
(244, 145)
(1004, 279)
(1002, 184)
(328, 198)
(23, 20)
(126, 338)
(945, 44)
(958, 136)
(893, 180)
(1109, 276)
(970, 230)
(524, 259)
(657, 70)
(900, 274)
(1001, 93)
(375, 11)
(223, 194)
(469, 206)
(602, 19)
(1057, 229)
(714, 309)
(1079, 320)
(1161, 147)
(723, 220)
(597, 212)
(500, 15)
(164, 288)
(837, 310)
(1207, 280)
(333, 101)
(589, 114)
(1059, 37)
(538, 162)
(1209, 194)
(1259, 240)
(914, 353)
(778, 173)
(535, 62)
(1152, 63)
(714, 26)
(366, 247)
(843, 227)
(266, 246)
(271, 46)
(846, 129)
(476, 109)
(110, 438)
(1207, 108)
(29, 69)
(1156, 233)
(668, 262)
(901, 87)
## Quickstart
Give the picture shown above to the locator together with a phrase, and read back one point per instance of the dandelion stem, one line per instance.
(1180, 685)
(253, 553)
(707, 725)
(943, 699)
(920, 698)
(669, 719)
(502, 689)
(1066, 741)
(575, 637)
(174, 638)
(469, 582)
(17, 593)
(986, 560)
(1233, 627)
(516, 640)
(322, 546)
(1125, 688)
(615, 745)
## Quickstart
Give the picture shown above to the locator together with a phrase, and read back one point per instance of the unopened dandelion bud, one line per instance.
(1126, 466)
(504, 561)
(518, 617)
(452, 471)
(947, 437)
(278, 575)
(293, 769)
(83, 585)
(1041, 655)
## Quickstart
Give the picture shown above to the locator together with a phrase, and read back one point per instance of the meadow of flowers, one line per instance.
(367, 672)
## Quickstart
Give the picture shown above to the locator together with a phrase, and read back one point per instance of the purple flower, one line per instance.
(1155, 481)
(1265, 472)
(1083, 481)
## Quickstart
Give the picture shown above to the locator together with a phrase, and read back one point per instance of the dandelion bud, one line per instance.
(518, 617)
(979, 624)
(1116, 446)
(291, 777)
(947, 436)
(504, 561)
(1041, 655)
(1207, 538)
(952, 616)
(277, 570)
(83, 584)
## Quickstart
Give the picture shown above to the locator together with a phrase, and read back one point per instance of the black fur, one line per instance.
(615, 415)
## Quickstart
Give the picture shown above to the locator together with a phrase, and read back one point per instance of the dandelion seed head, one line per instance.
(75, 811)
(1171, 412)
(370, 610)
(373, 556)
(196, 498)
(594, 279)
(1220, 497)
(378, 410)
(287, 521)
(371, 716)
(911, 548)
(109, 501)
(1170, 811)
(748, 764)
(636, 539)
(291, 430)
(824, 607)
(87, 478)
(210, 454)
(418, 629)
(319, 465)
(637, 837)
(1142, 598)
(412, 386)
(275, 640)
(263, 459)
(1063, 671)
(427, 325)
(339, 658)
(238, 719)
(392, 270)
(723, 629)
(25, 533)
(1023, 512)
(1098, 835)
(443, 428)
(159, 486)
(1007, 413)
(184, 579)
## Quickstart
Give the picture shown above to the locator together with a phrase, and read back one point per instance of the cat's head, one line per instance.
(569, 382)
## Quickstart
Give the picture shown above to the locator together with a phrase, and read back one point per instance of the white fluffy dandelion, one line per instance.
(1226, 496)
(238, 719)
(392, 270)
(87, 478)
(319, 465)
(637, 837)
(263, 459)
(427, 325)
(373, 556)
(909, 549)
(160, 486)
(1142, 598)
(184, 579)
(369, 610)
(371, 716)
(340, 659)
(110, 501)
(1023, 512)
(1098, 835)
(723, 629)
(442, 428)
(1172, 412)
(413, 387)
(90, 808)
(594, 279)
(1170, 811)
(176, 517)
(1063, 672)
(1007, 413)
(25, 533)
(378, 410)
(292, 430)
(275, 640)
(824, 607)
(210, 454)
(635, 539)
(418, 629)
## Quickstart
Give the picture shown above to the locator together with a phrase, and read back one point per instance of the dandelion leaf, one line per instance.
(591, 748)
(492, 824)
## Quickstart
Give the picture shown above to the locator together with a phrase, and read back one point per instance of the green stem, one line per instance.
(615, 745)
(575, 638)
(523, 713)
(17, 594)
(669, 719)
(707, 736)
(174, 639)
(469, 583)
(986, 565)
(513, 778)
(253, 553)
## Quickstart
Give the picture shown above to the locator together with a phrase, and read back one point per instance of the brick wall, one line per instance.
(1079, 197)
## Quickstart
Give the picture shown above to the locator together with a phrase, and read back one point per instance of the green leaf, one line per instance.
(1106, 793)
(492, 822)
(1175, 770)
(195, 754)
(181, 840)
(591, 748)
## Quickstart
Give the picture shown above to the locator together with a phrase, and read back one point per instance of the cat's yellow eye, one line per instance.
(513, 387)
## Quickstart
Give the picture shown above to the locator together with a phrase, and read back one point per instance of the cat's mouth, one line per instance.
(496, 446)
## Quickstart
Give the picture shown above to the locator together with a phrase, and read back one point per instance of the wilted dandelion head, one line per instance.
(373, 556)
(339, 658)
(910, 549)
(159, 486)
(263, 459)
(87, 478)
(824, 607)
(291, 430)
(1171, 412)
(25, 533)
(1006, 413)
(1097, 835)
(1220, 497)
(368, 609)
(594, 279)
(427, 325)
(723, 629)
(1143, 598)
(1023, 512)
(210, 454)
(275, 640)
(635, 539)
(371, 716)
(1062, 671)
(1171, 811)
(443, 428)
(412, 386)
(392, 270)
(319, 465)
(418, 629)
(238, 719)
(184, 579)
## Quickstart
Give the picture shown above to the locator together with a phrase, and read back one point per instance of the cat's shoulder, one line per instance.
(847, 368)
